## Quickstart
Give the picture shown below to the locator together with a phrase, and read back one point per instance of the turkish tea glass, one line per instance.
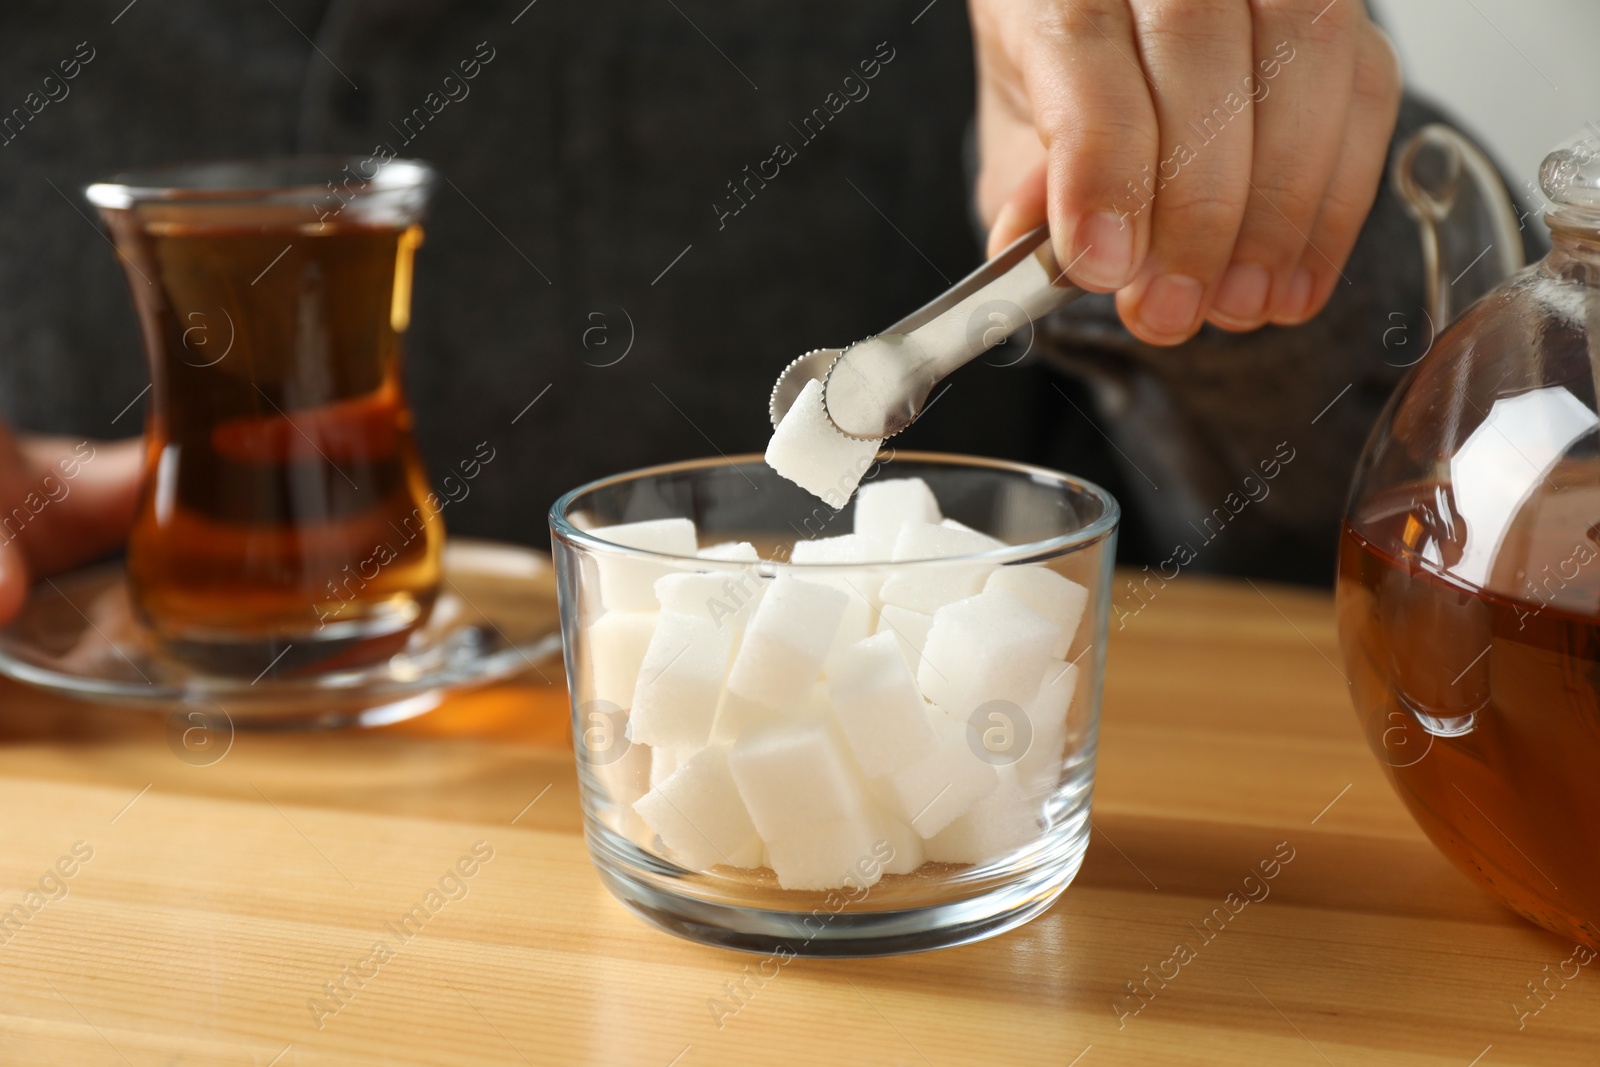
(286, 523)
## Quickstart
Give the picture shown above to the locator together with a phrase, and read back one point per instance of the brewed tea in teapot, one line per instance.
(1469, 577)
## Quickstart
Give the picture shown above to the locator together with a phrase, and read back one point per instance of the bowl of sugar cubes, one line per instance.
(835, 705)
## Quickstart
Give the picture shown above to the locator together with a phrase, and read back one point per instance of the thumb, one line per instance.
(1025, 209)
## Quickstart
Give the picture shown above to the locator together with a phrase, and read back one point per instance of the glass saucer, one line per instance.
(495, 617)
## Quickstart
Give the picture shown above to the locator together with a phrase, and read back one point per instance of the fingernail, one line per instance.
(1170, 305)
(1242, 296)
(1106, 256)
(1296, 298)
(1000, 233)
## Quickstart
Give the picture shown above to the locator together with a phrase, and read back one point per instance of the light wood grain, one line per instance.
(220, 900)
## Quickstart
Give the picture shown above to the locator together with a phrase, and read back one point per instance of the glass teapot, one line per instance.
(1469, 565)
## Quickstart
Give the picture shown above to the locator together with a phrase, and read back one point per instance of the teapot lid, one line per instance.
(1570, 177)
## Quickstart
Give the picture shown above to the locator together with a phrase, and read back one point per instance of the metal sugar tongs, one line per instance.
(878, 386)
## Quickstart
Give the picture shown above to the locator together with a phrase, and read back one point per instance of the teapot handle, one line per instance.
(1471, 238)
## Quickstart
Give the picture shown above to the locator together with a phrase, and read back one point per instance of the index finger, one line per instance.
(1093, 110)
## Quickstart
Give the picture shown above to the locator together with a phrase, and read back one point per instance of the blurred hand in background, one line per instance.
(63, 502)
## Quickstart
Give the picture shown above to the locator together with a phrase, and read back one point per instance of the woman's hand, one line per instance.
(63, 502)
(1208, 160)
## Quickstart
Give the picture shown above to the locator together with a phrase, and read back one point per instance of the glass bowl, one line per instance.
(753, 772)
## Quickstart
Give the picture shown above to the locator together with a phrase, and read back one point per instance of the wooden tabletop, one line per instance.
(207, 905)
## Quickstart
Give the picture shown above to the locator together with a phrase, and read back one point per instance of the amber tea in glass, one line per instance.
(284, 523)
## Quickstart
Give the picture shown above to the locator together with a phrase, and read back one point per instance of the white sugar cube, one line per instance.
(860, 621)
(680, 681)
(860, 618)
(1008, 818)
(817, 705)
(1040, 767)
(829, 855)
(987, 647)
(809, 450)
(1061, 600)
(879, 708)
(846, 548)
(617, 642)
(933, 791)
(794, 777)
(625, 779)
(664, 760)
(737, 715)
(882, 507)
(731, 551)
(698, 813)
(784, 645)
(1050, 704)
(921, 540)
(862, 585)
(675, 537)
(928, 588)
(905, 847)
(627, 822)
(626, 776)
(625, 584)
(728, 600)
(910, 629)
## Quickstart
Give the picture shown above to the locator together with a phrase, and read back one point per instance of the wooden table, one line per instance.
(219, 899)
